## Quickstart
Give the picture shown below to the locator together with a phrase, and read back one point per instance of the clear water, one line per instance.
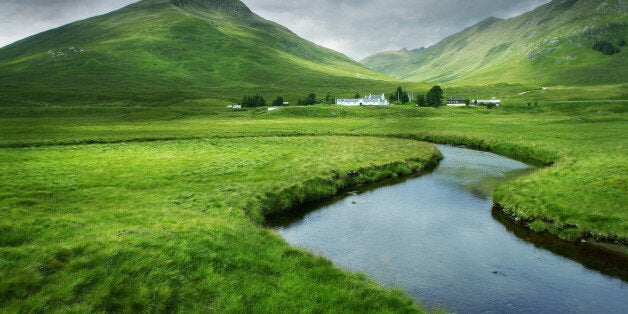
(434, 237)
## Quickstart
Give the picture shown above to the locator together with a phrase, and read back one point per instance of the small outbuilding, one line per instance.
(456, 102)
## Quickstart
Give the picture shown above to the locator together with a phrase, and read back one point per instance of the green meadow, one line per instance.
(167, 225)
(161, 208)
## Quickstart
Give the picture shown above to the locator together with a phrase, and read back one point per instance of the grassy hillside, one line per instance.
(160, 50)
(551, 45)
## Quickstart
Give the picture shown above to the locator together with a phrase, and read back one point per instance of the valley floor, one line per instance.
(158, 209)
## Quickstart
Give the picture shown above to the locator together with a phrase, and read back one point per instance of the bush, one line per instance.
(309, 100)
(278, 101)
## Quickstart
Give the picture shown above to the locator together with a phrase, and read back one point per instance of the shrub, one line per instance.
(278, 101)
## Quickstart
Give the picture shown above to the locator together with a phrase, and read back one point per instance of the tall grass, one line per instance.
(160, 226)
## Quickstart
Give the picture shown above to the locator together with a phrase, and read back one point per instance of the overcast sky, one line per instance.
(357, 28)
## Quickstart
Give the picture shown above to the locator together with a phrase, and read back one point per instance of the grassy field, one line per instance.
(166, 226)
(163, 211)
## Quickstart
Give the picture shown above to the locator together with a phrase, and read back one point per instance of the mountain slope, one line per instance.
(391, 61)
(552, 44)
(171, 49)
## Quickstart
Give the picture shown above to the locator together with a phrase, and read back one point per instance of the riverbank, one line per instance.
(317, 189)
(608, 258)
(434, 236)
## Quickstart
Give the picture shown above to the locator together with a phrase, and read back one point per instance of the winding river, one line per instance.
(434, 237)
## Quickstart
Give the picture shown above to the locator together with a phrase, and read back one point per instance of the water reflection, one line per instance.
(433, 236)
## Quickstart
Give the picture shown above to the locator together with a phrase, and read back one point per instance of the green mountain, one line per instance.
(553, 44)
(391, 61)
(157, 50)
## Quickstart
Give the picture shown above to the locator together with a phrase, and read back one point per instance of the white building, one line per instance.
(370, 100)
(456, 102)
(485, 102)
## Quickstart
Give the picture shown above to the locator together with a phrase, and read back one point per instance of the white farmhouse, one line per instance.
(484, 102)
(370, 100)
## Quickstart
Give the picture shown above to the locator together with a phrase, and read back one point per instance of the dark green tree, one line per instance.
(400, 96)
(259, 101)
(420, 100)
(405, 98)
(309, 100)
(328, 98)
(278, 101)
(255, 101)
(357, 96)
(434, 97)
(246, 100)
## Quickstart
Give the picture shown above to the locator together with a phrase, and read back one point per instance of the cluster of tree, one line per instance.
(309, 100)
(278, 101)
(433, 98)
(253, 101)
(399, 96)
(606, 47)
(259, 101)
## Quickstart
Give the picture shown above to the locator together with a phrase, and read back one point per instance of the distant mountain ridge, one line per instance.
(391, 61)
(229, 7)
(553, 44)
(155, 50)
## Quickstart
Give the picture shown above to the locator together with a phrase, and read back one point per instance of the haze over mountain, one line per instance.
(553, 44)
(173, 49)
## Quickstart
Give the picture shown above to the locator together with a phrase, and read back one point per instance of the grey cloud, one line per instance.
(360, 28)
(356, 28)
(22, 18)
